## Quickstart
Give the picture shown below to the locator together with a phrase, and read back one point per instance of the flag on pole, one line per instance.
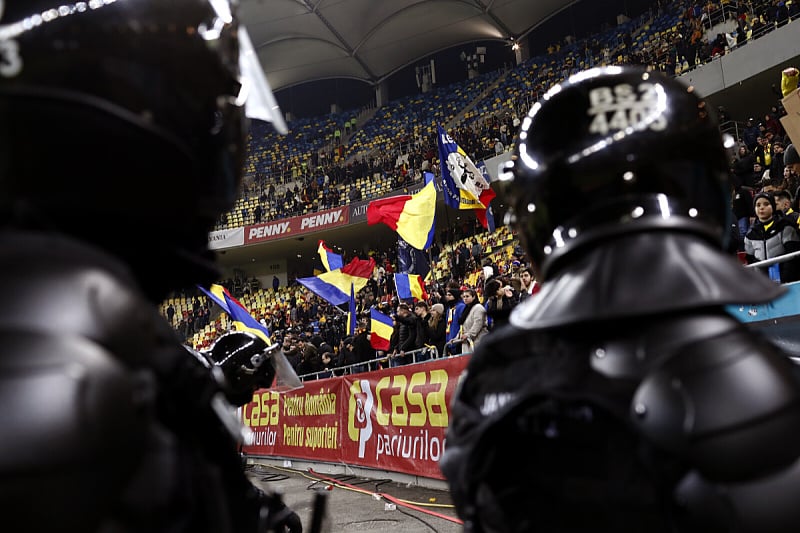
(412, 216)
(351, 313)
(381, 328)
(490, 224)
(241, 317)
(217, 295)
(334, 286)
(410, 286)
(244, 321)
(330, 260)
(412, 261)
(464, 185)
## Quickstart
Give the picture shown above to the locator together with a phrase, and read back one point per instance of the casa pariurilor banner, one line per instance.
(394, 419)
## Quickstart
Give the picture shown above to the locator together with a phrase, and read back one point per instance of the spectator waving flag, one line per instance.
(330, 260)
(241, 317)
(334, 286)
(412, 216)
(464, 185)
(410, 286)
(381, 328)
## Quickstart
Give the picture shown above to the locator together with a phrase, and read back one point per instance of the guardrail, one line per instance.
(774, 260)
(420, 355)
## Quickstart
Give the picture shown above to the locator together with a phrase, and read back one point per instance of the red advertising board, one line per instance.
(291, 227)
(303, 423)
(393, 419)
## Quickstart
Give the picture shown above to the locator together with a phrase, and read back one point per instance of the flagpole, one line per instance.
(447, 216)
(430, 262)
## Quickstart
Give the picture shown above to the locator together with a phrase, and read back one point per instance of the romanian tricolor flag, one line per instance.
(381, 328)
(334, 286)
(330, 260)
(410, 286)
(412, 216)
(244, 321)
(464, 186)
(217, 295)
(241, 317)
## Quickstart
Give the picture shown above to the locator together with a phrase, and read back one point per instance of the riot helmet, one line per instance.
(121, 122)
(248, 363)
(615, 150)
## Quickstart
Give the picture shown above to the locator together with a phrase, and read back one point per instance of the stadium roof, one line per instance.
(306, 40)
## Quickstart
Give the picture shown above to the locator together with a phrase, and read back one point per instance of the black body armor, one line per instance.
(598, 410)
(107, 420)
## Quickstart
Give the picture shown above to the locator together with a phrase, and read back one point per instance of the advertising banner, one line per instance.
(397, 418)
(358, 212)
(302, 423)
(293, 227)
(394, 419)
(226, 238)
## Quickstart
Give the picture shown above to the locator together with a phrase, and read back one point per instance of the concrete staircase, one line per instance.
(470, 106)
(452, 122)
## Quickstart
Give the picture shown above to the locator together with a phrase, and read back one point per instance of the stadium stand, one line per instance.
(373, 158)
(334, 159)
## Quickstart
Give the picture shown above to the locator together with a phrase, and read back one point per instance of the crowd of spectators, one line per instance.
(471, 267)
(300, 318)
(331, 184)
(689, 42)
(328, 172)
(765, 189)
(477, 277)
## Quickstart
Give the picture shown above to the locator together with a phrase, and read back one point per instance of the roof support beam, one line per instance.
(487, 8)
(345, 45)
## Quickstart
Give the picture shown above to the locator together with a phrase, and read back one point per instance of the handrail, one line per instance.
(383, 359)
(469, 342)
(774, 260)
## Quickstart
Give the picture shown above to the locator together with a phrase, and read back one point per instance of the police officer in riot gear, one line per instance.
(623, 397)
(247, 363)
(122, 135)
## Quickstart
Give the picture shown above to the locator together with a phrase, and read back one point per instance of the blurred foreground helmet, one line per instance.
(121, 110)
(246, 362)
(790, 156)
(615, 150)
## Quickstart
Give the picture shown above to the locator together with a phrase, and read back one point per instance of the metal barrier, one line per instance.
(455, 342)
(774, 260)
(373, 364)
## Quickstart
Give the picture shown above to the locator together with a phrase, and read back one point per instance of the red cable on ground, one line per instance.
(392, 499)
(420, 509)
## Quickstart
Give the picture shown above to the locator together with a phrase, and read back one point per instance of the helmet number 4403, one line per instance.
(621, 107)
(10, 61)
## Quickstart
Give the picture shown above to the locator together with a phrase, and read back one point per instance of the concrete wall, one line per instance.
(772, 50)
